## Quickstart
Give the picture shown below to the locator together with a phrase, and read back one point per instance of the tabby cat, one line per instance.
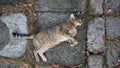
(49, 38)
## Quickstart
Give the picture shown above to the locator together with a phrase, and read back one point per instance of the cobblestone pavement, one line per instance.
(98, 37)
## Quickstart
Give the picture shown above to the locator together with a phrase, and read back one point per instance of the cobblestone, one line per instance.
(95, 34)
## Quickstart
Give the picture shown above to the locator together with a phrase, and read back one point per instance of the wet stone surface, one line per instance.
(16, 23)
(112, 53)
(96, 6)
(60, 5)
(64, 54)
(4, 35)
(11, 2)
(95, 34)
(95, 61)
(113, 27)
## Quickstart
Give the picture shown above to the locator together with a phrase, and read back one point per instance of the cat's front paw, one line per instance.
(74, 43)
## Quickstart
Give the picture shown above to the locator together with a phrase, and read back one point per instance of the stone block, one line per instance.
(113, 27)
(95, 34)
(112, 4)
(4, 35)
(60, 5)
(112, 53)
(96, 6)
(14, 47)
(95, 61)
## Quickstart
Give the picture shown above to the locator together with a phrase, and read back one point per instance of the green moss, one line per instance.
(108, 43)
(90, 18)
(115, 43)
(88, 7)
(83, 65)
(90, 10)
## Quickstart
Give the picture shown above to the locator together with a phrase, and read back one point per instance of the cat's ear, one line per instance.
(72, 16)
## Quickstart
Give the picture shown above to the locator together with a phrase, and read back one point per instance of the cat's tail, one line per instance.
(22, 36)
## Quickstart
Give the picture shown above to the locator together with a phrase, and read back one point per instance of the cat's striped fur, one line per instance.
(49, 38)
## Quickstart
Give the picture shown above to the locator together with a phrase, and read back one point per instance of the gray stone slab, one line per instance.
(112, 53)
(112, 4)
(96, 5)
(4, 35)
(16, 23)
(46, 20)
(113, 27)
(11, 2)
(95, 34)
(95, 61)
(60, 5)
(63, 54)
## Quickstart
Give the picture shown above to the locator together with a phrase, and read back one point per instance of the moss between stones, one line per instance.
(116, 43)
(88, 7)
(83, 65)
(90, 10)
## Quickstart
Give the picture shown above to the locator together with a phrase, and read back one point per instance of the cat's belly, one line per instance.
(57, 40)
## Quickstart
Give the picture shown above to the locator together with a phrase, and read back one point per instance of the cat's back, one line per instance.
(49, 36)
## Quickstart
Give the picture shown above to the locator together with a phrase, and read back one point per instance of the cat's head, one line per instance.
(75, 20)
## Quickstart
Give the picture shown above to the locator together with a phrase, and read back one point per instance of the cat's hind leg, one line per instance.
(40, 53)
(43, 57)
(36, 56)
